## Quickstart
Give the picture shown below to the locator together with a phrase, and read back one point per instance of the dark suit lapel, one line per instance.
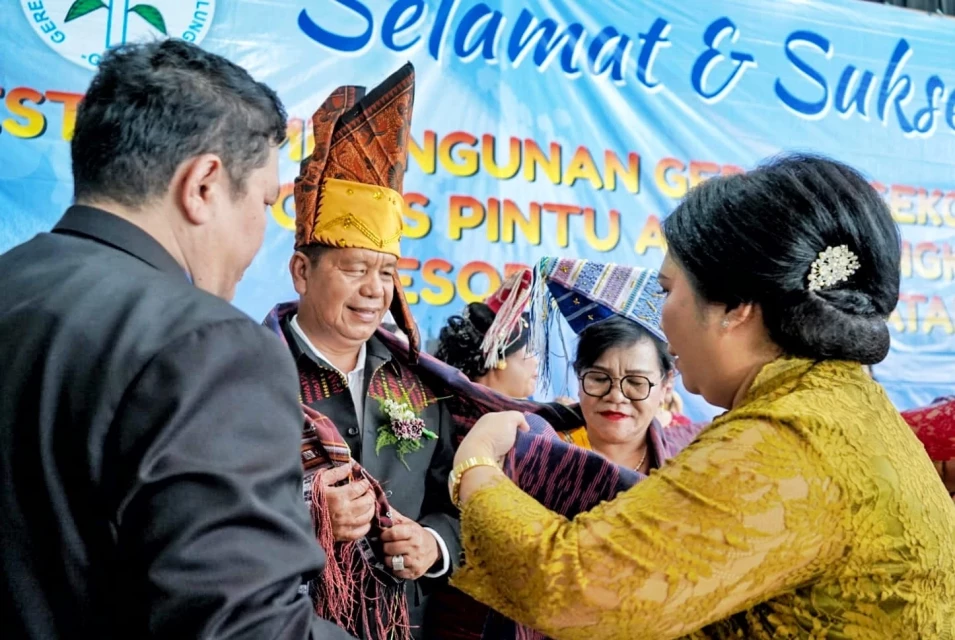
(377, 356)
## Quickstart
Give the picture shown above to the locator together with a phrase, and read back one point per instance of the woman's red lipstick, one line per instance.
(613, 415)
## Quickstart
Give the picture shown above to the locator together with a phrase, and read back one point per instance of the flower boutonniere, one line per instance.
(404, 430)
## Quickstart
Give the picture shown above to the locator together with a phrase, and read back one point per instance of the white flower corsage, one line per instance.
(405, 430)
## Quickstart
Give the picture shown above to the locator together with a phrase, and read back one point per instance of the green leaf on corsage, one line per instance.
(385, 439)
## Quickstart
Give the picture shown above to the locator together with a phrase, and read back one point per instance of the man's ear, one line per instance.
(300, 268)
(201, 181)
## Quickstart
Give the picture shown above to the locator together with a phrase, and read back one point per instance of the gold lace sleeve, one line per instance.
(745, 513)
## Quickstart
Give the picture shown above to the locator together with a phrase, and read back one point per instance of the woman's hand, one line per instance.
(492, 436)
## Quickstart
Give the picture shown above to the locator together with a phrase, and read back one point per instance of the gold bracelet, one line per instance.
(454, 478)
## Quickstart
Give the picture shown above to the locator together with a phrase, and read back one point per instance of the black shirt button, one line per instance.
(352, 431)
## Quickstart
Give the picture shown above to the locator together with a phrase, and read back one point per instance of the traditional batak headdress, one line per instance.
(510, 329)
(349, 191)
(587, 292)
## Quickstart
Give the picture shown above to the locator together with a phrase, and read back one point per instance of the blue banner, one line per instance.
(541, 128)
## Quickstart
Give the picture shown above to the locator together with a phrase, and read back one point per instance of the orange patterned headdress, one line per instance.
(349, 191)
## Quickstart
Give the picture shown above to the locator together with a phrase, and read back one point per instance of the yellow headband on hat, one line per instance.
(348, 192)
(359, 215)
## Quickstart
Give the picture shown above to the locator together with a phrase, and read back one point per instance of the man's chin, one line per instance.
(363, 333)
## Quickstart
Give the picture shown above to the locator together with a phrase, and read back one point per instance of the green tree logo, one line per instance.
(119, 11)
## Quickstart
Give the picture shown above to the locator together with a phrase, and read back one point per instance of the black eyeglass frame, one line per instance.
(619, 382)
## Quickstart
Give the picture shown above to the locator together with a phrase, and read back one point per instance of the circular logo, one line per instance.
(81, 30)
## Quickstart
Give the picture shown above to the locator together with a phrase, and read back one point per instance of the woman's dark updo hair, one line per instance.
(752, 238)
(459, 343)
(614, 332)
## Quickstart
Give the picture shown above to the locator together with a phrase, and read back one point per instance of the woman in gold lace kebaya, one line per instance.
(808, 509)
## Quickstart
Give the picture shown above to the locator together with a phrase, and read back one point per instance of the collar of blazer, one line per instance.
(109, 229)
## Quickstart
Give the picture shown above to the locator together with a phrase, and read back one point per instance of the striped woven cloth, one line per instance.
(563, 477)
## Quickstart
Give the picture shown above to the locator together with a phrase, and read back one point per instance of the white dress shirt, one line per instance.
(355, 380)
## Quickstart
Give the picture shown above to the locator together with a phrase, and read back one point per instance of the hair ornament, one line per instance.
(832, 266)
(507, 304)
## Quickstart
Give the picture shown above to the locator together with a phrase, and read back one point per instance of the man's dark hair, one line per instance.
(314, 252)
(152, 106)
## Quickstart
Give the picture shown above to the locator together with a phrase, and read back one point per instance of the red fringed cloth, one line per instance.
(353, 573)
(934, 425)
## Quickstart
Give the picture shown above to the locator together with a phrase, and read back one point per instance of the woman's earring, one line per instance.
(725, 323)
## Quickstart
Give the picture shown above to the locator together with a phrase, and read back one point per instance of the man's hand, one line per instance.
(351, 507)
(417, 547)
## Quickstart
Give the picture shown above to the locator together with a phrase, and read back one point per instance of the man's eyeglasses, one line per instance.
(598, 384)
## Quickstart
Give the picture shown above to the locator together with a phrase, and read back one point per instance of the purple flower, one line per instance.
(408, 429)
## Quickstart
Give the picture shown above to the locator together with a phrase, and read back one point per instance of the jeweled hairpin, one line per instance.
(832, 266)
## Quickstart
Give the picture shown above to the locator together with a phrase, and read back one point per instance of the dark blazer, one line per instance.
(419, 491)
(150, 481)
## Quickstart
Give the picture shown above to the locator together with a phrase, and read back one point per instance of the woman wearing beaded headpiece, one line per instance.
(488, 342)
(808, 509)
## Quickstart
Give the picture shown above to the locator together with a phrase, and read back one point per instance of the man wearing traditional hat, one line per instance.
(370, 408)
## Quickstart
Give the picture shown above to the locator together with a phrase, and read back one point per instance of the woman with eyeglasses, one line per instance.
(621, 371)
(610, 439)
(622, 365)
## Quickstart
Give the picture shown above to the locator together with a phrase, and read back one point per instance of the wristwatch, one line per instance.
(454, 478)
